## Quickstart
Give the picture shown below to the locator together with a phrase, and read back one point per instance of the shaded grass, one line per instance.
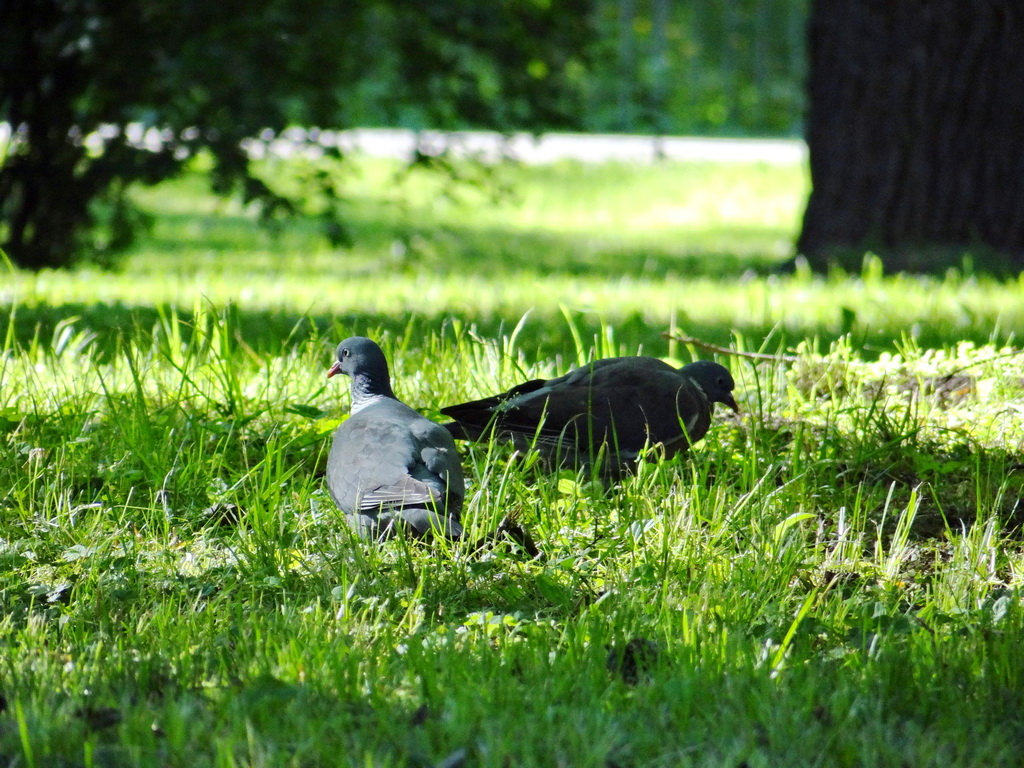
(831, 579)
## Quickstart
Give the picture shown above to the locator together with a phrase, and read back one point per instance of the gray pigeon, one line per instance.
(388, 464)
(618, 405)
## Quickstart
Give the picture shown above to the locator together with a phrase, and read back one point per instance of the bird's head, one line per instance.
(358, 355)
(715, 380)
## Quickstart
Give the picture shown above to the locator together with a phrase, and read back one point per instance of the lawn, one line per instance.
(832, 578)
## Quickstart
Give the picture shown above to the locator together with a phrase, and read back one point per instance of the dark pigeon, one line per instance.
(617, 405)
(389, 465)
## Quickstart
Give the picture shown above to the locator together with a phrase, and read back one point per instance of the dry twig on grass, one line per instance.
(726, 351)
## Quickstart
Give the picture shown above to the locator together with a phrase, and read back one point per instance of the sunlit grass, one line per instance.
(832, 578)
(637, 248)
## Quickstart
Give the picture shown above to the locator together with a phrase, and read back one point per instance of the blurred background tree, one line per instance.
(100, 94)
(187, 75)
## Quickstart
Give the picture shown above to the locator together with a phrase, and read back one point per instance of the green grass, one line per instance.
(833, 578)
(638, 249)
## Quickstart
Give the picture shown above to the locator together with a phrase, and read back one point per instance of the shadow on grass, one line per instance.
(957, 482)
(271, 331)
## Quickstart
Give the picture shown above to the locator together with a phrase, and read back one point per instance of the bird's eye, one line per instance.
(346, 352)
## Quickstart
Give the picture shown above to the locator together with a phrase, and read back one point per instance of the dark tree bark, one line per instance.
(916, 131)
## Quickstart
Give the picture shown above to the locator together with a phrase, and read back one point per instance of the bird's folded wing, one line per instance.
(614, 371)
(406, 492)
(373, 461)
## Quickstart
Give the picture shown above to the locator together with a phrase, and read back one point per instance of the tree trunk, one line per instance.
(916, 131)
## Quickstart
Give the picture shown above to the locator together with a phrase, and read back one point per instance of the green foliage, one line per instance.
(88, 84)
(653, 66)
(103, 94)
(705, 68)
(833, 577)
(501, 65)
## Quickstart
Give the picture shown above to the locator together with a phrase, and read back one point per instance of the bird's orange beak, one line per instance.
(334, 370)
